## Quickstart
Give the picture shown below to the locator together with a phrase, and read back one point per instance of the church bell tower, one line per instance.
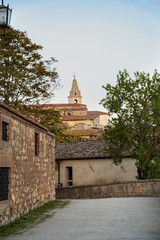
(75, 94)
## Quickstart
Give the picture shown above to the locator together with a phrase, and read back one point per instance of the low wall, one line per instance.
(139, 188)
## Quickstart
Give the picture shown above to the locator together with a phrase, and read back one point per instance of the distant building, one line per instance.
(85, 163)
(27, 165)
(87, 126)
(75, 115)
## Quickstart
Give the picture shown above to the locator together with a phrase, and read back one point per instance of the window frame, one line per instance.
(4, 183)
(36, 144)
(69, 176)
(5, 131)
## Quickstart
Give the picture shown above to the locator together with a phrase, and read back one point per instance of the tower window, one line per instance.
(75, 100)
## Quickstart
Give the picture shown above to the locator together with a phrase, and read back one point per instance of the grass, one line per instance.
(31, 219)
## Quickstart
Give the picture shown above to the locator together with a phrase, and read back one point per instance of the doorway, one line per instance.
(69, 176)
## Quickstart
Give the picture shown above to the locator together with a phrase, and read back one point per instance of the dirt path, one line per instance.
(101, 219)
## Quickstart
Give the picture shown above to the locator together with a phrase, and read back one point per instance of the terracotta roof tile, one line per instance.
(77, 117)
(91, 115)
(96, 112)
(52, 105)
(80, 150)
(82, 132)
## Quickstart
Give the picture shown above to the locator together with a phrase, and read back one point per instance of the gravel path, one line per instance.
(101, 219)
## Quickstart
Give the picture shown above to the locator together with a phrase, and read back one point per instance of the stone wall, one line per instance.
(31, 176)
(148, 188)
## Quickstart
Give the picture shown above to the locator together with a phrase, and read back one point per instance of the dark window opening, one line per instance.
(69, 114)
(69, 176)
(36, 144)
(4, 183)
(75, 93)
(75, 100)
(4, 131)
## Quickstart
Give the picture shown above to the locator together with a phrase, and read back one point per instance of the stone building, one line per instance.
(75, 94)
(85, 163)
(77, 118)
(87, 126)
(27, 165)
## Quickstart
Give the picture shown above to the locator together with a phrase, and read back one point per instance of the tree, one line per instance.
(135, 126)
(50, 119)
(25, 77)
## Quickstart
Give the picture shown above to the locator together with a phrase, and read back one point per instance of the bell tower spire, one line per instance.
(75, 94)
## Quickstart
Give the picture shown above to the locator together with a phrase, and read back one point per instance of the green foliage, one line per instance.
(115, 146)
(49, 118)
(24, 77)
(155, 168)
(135, 128)
(53, 121)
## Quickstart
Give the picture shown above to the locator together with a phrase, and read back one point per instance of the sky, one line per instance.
(93, 39)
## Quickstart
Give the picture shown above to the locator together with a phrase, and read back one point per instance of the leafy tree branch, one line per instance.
(135, 128)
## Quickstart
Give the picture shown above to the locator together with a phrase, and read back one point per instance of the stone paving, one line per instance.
(101, 219)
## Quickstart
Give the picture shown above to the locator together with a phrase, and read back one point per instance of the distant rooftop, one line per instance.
(59, 104)
(91, 115)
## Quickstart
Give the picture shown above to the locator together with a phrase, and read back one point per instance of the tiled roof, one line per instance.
(91, 115)
(77, 117)
(80, 150)
(96, 112)
(12, 110)
(52, 105)
(82, 132)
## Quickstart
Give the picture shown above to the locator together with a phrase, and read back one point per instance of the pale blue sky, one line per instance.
(93, 39)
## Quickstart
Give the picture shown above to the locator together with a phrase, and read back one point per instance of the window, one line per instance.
(36, 144)
(75, 100)
(4, 183)
(69, 176)
(4, 131)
